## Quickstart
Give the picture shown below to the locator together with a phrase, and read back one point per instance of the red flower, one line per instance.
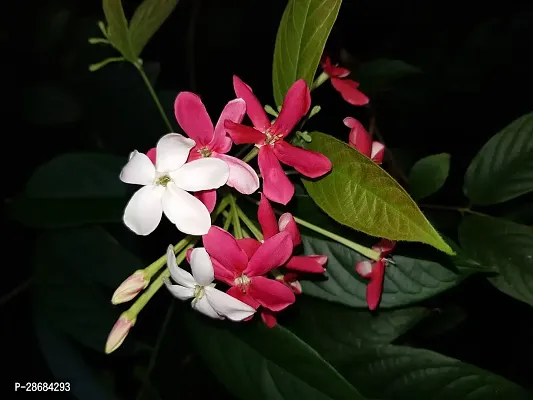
(361, 140)
(348, 88)
(375, 272)
(243, 263)
(269, 138)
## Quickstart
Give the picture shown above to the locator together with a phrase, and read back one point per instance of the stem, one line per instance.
(154, 96)
(19, 289)
(250, 225)
(323, 77)
(227, 222)
(251, 155)
(462, 210)
(237, 231)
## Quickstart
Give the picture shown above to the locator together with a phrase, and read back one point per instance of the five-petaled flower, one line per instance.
(361, 140)
(200, 287)
(375, 272)
(165, 187)
(348, 88)
(243, 264)
(213, 142)
(269, 138)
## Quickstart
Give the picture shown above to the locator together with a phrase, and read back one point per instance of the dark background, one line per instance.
(476, 63)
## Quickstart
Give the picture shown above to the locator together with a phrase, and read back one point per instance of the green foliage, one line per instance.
(503, 168)
(505, 246)
(360, 194)
(302, 35)
(407, 282)
(117, 29)
(428, 175)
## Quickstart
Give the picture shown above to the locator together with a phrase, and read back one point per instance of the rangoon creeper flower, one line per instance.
(130, 288)
(348, 88)
(361, 140)
(165, 187)
(375, 272)
(118, 333)
(200, 287)
(242, 265)
(269, 138)
(212, 142)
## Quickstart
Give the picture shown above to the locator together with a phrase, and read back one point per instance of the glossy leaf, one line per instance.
(507, 247)
(428, 175)
(503, 168)
(256, 362)
(147, 19)
(302, 35)
(360, 194)
(409, 281)
(117, 28)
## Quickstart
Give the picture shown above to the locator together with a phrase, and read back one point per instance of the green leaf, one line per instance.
(360, 194)
(302, 35)
(503, 168)
(49, 104)
(77, 271)
(428, 175)
(147, 19)
(507, 247)
(334, 329)
(255, 362)
(398, 373)
(379, 74)
(409, 281)
(117, 29)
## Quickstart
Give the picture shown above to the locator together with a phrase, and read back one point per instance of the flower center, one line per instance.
(271, 138)
(205, 152)
(163, 180)
(243, 282)
(199, 291)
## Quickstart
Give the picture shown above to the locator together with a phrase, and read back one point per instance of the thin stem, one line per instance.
(250, 225)
(15, 292)
(462, 210)
(323, 77)
(154, 96)
(251, 155)
(227, 222)
(237, 231)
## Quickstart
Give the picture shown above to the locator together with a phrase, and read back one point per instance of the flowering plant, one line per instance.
(292, 270)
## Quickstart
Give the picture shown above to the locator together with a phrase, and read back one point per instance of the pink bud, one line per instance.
(118, 333)
(130, 288)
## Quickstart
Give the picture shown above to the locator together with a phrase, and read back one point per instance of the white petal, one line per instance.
(185, 211)
(144, 210)
(172, 151)
(182, 293)
(202, 174)
(139, 170)
(204, 307)
(201, 266)
(241, 176)
(178, 274)
(228, 306)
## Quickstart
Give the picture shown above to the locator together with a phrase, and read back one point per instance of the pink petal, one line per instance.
(268, 318)
(249, 246)
(378, 149)
(254, 109)
(295, 105)
(307, 162)
(384, 247)
(241, 176)
(208, 197)
(188, 255)
(322, 259)
(193, 118)
(267, 218)
(333, 70)
(223, 146)
(242, 134)
(222, 273)
(270, 293)
(359, 138)
(305, 264)
(151, 154)
(291, 279)
(273, 253)
(349, 92)
(374, 288)
(364, 268)
(194, 154)
(276, 186)
(242, 296)
(234, 111)
(288, 224)
(223, 247)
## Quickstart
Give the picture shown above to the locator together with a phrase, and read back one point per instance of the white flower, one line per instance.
(165, 186)
(208, 300)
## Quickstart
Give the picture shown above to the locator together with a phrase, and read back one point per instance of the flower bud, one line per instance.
(130, 288)
(118, 333)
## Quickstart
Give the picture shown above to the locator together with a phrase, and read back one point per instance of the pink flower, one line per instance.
(130, 288)
(348, 88)
(269, 137)
(118, 333)
(243, 263)
(375, 272)
(361, 140)
(213, 142)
